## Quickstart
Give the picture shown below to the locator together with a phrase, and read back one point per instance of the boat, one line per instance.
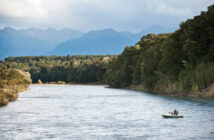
(172, 116)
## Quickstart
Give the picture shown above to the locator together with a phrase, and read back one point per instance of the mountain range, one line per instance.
(33, 41)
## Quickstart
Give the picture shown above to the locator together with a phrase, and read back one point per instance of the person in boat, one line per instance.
(171, 113)
(175, 112)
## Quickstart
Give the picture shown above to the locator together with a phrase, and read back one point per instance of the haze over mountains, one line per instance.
(33, 41)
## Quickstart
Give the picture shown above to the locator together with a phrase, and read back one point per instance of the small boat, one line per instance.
(172, 116)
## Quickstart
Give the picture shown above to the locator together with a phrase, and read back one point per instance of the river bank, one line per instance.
(11, 82)
(207, 93)
(71, 83)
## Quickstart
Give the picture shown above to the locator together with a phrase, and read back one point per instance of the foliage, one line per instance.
(78, 69)
(11, 82)
(182, 61)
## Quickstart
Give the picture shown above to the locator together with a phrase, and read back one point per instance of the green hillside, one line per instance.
(180, 63)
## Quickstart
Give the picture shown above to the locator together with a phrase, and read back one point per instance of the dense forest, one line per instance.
(12, 81)
(61, 69)
(178, 63)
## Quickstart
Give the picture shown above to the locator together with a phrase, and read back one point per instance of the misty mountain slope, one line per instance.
(32, 41)
(52, 35)
(103, 42)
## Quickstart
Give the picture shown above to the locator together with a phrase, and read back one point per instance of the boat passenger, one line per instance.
(175, 112)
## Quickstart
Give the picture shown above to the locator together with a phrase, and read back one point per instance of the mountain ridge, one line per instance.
(50, 41)
(103, 42)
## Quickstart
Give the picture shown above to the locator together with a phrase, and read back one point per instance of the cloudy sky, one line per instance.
(84, 15)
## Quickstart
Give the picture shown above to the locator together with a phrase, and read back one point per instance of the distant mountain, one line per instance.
(52, 35)
(99, 42)
(32, 41)
(103, 42)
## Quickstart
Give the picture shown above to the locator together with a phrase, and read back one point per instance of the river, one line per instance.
(64, 112)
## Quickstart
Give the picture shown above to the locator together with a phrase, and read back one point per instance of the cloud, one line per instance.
(178, 8)
(168, 10)
(132, 15)
(23, 9)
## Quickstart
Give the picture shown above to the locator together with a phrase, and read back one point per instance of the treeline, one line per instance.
(12, 81)
(180, 62)
(69, 69)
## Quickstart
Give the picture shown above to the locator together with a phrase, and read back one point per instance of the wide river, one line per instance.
(67, 112)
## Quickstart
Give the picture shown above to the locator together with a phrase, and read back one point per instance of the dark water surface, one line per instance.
(95, 112)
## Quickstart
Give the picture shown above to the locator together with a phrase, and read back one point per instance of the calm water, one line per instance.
(95, 112)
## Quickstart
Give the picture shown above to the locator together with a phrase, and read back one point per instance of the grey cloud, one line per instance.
(132, 15)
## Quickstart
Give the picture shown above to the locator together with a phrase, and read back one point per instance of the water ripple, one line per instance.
(95, 112)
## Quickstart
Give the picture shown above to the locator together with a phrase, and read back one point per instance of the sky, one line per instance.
(85, 15)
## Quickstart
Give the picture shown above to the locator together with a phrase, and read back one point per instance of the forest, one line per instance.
(61, 69)
(181, 62)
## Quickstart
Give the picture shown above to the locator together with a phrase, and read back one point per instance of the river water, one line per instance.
(64, 112)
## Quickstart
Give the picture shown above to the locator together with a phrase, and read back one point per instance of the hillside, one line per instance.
(103, 42)
(180, 63)
(100, 42)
